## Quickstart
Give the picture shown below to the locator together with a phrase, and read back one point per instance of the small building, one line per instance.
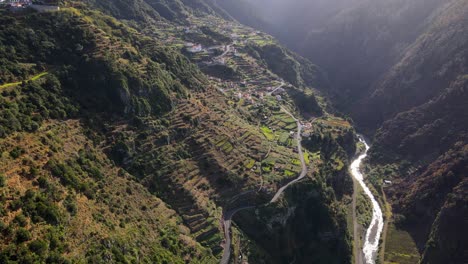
(188, 44)
(279, 98)
(195, 48)
(16, 5)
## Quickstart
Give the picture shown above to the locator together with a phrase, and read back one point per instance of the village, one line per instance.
(254, 88)
(37, 5)
(222, 50)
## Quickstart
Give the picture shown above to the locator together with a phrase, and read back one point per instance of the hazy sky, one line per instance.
(311, 12)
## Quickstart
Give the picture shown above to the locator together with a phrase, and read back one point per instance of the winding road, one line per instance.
(227, 218)
(227, 222)
(301, 157)
(371, 243)
(274, 90)
(227, 50)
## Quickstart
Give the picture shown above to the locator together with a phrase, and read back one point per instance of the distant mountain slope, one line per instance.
(432, 62)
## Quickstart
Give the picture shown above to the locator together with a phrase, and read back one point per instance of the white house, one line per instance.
(195, 48)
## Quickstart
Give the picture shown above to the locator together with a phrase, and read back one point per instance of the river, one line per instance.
(371, 243)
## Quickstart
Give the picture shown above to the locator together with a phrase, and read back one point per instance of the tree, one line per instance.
(22, 235)
(2, 180)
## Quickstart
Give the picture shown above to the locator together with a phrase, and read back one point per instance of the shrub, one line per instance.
(39, 247)
(21, 220)
(16, 152)
(70, 205)
(40, 208)
(2, 180)
(22, 235)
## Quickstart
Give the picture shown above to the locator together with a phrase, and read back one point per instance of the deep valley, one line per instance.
(179, 131)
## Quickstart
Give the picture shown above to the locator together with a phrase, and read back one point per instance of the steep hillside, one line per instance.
(119, 146)
(427, 145)
(63, 199)
(435, 60)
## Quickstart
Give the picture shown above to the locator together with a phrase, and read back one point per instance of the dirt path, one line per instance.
(35, 77)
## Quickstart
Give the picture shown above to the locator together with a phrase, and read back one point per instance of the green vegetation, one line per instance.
(363, 208)
(34, 78)
(400, 247)
(307, 157)
(296, 161)
(284, 138)
(268, 133)
(249, 164)
(2, 180)
(116, 118)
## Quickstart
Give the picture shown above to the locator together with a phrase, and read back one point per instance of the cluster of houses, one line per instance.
(40, 6)
(192, 29)
(16, 3)
(193, 48)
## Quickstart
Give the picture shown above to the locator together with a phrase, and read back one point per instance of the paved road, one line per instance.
(227, 220)
(279, 86)
(228, 49)
(301, 157)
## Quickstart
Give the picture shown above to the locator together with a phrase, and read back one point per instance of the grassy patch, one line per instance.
(296, 162)
(307, 157)
(267, 168)
(227, 147)
(283, 139)
(400, 247)
(249, 164)
(290, 126)
(338, 164)
(268, 133)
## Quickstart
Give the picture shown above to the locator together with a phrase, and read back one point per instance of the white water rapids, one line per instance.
(371, 244)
